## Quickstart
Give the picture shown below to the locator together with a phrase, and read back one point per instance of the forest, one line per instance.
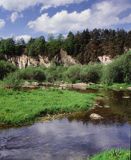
(85, 46)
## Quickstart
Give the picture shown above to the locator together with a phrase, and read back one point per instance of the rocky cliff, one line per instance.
(24, 61)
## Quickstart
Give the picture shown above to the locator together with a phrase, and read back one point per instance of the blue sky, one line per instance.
(25, 18)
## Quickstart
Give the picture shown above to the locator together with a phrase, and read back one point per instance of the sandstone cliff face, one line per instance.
(105, 59)
(65, 59)
(24, 61)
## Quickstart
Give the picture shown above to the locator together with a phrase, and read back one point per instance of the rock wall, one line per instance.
(105, 59)
(24, 61)
(65, 59)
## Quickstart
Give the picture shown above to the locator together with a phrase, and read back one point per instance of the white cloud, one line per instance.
(14, 16)
(17, 5)
(101, 15)
(126, 19)
(25, 37)
(60, 22)
(2, 23)
(56, 3)
(20, 5)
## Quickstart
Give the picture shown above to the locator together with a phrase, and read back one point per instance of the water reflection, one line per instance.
(61, 139)
(72, 138)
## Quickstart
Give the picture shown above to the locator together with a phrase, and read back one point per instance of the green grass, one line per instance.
(114, 154)
(21, 107)
(115, 86)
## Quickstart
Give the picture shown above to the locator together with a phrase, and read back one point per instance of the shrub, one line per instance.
(6, 68)
(73, 73)
(33, 73)
(13, 80)
(119, 71)
(91, 73)
(55, 73)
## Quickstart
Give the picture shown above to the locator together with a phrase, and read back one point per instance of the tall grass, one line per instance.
(114, 154)
(18, 107)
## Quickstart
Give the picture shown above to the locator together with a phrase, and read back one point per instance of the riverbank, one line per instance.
(22, 107)
(69, 86)
(114, 154)
(114, 86)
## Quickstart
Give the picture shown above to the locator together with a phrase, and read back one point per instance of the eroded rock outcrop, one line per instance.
(24, 61)
(65, 59)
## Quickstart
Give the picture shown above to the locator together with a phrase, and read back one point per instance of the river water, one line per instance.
(74, 137)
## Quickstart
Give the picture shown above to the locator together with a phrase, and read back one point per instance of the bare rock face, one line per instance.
(24, 61)
(105, 59)
(65, 59)
(95, 116)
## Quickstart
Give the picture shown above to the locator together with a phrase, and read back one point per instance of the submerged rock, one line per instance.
(106, 106)
(95, 116)
(126, 97)
(129, 88)
(80, 86)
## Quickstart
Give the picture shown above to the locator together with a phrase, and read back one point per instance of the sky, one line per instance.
(33, 18)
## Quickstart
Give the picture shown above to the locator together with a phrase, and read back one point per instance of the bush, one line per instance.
(73, 73)
(119, 71)
(33, 73)
(55, 73)
(15, 79)
(91, 73)
(6, 68)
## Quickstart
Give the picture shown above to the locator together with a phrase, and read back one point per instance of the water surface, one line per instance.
(74, 137)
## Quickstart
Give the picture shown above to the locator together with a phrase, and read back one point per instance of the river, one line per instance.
(74, 137)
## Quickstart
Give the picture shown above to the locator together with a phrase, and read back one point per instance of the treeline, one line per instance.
(118, 71)
(86, 46)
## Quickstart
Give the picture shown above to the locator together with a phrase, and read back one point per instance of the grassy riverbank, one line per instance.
(20, 107)
(113, 154)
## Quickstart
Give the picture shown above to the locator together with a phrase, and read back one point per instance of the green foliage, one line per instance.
(16, 79)
(118, 71)
(13, 80)
(86, 73)
(69, 43)
(53, 47)
(91, 73)
(18, 107)
(33, 73)
(73, 73)
(55, 73)
(6, 68)
(36, 46)
(7, 47)
(114, 154)
(85, 46)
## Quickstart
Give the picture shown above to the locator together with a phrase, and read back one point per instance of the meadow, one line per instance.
(21, 107)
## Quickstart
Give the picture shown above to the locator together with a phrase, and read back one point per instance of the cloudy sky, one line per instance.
(25, 18)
